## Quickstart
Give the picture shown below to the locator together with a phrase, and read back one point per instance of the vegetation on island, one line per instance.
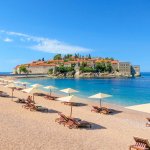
(79, 66)
(23, 69)
(82, 65)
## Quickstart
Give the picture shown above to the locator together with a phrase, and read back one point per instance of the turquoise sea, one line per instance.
(126, 92)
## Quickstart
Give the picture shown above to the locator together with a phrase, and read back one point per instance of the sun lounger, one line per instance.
(38, 108)
(39, 94)
(28, 105)
(70, 103)
(48, 97)
(105, 111)
(101, 110)
(78, 124)
(62, 119)
(141, 144)
(21, 100)
(96, 109)
(71, 122)
(19, 89)
(148, 123)
(2, 94)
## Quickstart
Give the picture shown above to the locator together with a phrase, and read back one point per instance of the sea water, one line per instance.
(124, 91)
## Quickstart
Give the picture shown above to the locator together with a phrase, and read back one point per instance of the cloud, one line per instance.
(45, 44)
(7, 40)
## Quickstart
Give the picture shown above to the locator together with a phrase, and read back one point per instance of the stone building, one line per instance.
(37, 69)
(125, 68)
(115, 65)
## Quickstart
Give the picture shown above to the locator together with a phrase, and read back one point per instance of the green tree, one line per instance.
(100, 67)
(50, 71)
(23, 69)
(108, 67)
(87, 69)
(57, 57)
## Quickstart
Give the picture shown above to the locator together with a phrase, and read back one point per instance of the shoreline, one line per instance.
(139, 107)
(67, 77)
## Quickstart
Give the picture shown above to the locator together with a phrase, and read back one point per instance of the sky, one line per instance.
(33, 29)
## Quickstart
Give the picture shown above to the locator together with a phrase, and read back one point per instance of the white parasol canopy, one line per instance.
(32, 90)
(100, 96)
(50, 88)
(12, 86)
(67, 98)
(71, 98)
(69, 91)
(36, 85)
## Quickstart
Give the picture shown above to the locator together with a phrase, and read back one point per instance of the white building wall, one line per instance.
(39, 69)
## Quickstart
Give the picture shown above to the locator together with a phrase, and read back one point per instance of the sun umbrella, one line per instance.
(32, 90)
(100, 96)
(12, 86)
(71, 98)
(69, 91)
(36, 85)
(50, 88)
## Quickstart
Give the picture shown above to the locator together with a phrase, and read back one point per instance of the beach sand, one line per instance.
(21, 129)
(142, 107)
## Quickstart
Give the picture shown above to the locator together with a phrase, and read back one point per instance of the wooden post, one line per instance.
(100, 103)
(12, 94)
(71, 110)
(50, 92)
(33, 97)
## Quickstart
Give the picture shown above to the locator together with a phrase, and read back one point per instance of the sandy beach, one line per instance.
(21, 129)
(142, 107)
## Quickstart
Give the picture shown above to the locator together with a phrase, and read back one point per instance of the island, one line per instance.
(77, 66)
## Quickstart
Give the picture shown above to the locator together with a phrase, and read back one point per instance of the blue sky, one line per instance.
(31, 29)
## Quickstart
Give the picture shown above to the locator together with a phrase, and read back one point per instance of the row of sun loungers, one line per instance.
(140, 144)
(33, 107)
(72, 122)
(48, 97)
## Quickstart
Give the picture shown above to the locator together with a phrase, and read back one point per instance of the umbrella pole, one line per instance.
(50, 92)
(100, 103)
(12, 95)
(33, 97)
(71, 111)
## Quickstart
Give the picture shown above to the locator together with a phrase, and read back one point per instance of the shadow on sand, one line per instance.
(114, 112)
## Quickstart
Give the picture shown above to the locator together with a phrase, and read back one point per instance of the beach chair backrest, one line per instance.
(95, 107)
(148, 119)
(63, 116)
(142, 142)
